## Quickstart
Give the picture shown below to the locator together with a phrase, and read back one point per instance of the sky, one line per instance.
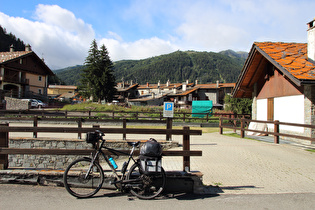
(61, 31)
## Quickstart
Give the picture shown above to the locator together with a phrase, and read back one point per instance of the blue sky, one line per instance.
(61, 31)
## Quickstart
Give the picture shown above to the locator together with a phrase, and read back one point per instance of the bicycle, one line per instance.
(84, 177)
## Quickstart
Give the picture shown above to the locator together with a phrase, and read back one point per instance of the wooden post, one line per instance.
(234, 122)
(220, 125)
(186, 147)
(276, 132)
(35, 124)
(97, 143)
(169, 122)
(66, 114)
(124, 127)
(243, 127)
(79, 128)
(4, 142)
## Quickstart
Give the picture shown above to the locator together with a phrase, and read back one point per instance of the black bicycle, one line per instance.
(84, 177)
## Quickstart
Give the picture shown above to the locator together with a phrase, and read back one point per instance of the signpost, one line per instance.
(168, 112)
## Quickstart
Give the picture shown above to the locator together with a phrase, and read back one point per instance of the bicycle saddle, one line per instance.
(133, 143)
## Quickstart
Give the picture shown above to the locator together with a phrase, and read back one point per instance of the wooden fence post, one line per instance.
(243, 127)
(124, 127)
(4, 142)
(220, 125)
(169, 122)
(35, 124)
(79, 128)
(276, 131)
(186, 147)
(234, 122)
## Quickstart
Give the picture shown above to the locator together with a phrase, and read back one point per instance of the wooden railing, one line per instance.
(186, 132)
(232, 123)
(115, 115)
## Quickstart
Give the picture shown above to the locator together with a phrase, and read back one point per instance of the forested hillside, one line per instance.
(207, 67)
(6, 40)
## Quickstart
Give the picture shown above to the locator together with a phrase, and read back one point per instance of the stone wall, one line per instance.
(56, 161)
(309, 109)
(16, 104)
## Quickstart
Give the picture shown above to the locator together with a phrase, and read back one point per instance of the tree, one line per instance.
(238, 105)
(98, 78)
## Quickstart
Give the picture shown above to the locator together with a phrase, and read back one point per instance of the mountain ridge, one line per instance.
(179, 66)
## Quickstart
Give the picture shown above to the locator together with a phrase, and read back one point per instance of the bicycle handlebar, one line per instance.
(100, 132)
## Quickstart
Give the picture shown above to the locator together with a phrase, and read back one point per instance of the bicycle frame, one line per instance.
(115, 152)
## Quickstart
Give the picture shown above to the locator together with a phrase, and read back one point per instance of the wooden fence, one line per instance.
(186, 132)
(232, 123)
(116, 115)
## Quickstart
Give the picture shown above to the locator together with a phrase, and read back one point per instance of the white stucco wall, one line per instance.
(262, 109)
(286, 109)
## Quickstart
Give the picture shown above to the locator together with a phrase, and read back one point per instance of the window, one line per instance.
(39, 91)
(270, 109)
(39, 78)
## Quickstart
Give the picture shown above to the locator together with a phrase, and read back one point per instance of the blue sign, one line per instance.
(168, 106)
(168, 109)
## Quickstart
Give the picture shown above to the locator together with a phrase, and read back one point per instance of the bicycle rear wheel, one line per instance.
(145, 186)
(81, 183)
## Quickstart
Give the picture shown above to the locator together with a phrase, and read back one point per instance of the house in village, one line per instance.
(126, 91)
(280, 78)
(23, 74)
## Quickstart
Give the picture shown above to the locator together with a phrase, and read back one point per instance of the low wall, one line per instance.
(16, 104)
(56, 161)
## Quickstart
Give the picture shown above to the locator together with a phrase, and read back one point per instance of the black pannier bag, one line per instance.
(92, 137)
(151, 148)
(151, 156)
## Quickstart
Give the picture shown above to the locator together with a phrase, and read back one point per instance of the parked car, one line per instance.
(40, 104)
(35, 103)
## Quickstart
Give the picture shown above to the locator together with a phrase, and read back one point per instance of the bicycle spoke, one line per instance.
(82, 182)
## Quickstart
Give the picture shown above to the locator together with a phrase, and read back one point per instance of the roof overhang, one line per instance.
(257, 59)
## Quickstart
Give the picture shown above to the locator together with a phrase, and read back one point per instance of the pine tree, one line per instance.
(98, 79)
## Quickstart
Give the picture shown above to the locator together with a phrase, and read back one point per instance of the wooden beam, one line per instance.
(14, 151)
(105, 130)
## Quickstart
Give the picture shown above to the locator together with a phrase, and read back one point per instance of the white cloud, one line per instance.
(64, 39)
(140, 49)
(56, 34)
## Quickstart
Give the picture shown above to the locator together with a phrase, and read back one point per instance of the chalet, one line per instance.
(126, 91)
(280, 78)
(23, 73)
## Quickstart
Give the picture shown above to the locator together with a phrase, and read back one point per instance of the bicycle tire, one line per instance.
(76, 183)
(149, 185)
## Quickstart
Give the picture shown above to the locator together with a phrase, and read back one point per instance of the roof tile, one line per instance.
(291, 56)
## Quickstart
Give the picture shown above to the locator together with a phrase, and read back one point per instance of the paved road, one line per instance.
(39, 197)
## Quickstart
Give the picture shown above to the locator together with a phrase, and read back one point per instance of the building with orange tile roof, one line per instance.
(280, 78)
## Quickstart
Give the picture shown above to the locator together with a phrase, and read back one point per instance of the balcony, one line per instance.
(14, 79)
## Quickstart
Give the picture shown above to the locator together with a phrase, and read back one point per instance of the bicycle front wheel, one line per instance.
(81, 179)
(145, 186)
